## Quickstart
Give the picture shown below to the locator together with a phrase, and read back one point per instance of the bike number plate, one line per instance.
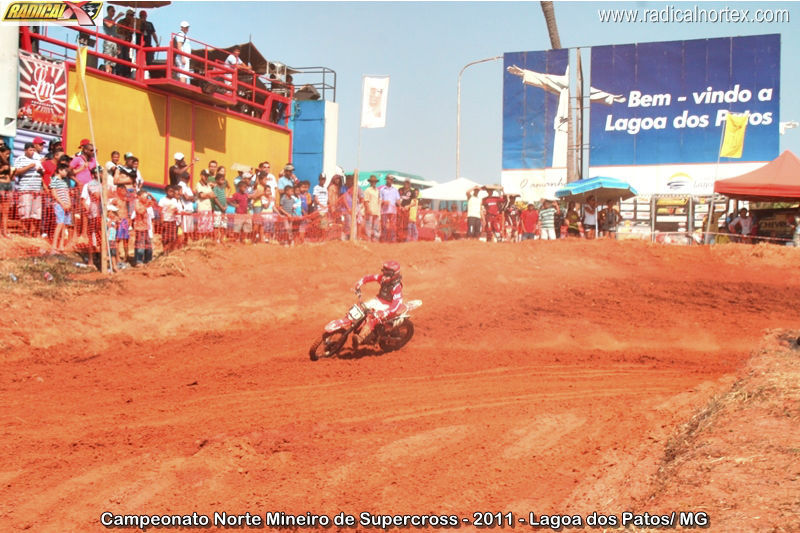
(355, 313)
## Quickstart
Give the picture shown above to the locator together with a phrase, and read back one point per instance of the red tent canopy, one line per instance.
(777, 180)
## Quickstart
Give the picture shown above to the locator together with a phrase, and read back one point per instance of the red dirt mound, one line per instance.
(540, 374)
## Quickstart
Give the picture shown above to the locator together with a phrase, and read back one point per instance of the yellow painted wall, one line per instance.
(128, 118)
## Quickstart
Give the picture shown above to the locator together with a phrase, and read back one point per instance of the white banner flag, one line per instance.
(373, 105)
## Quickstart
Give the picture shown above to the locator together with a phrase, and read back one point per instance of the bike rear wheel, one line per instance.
(328, 345)
(397, 337)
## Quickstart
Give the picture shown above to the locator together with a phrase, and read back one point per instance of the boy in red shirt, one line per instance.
(529, 219)
(242, 223)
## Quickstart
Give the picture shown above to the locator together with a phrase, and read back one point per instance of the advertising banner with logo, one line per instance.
(665, 136)
(42, 94)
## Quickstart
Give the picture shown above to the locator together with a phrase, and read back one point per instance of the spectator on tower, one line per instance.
(125, 30)
(110, 30)
(29, 172)
(181, 43)
(146, 35)
(390, 199)
(234, 62)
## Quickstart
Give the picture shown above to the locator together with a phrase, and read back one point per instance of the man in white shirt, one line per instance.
(182, 44)
(29, 171)
(474, 213)
(235, 62)
(320, 194)
(186, 197)
(372, 210)
(170, 209)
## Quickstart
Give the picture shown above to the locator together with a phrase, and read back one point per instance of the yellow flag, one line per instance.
(77, 100)
(733, 142)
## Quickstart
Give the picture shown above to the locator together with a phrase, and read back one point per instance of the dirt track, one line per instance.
(543, 377)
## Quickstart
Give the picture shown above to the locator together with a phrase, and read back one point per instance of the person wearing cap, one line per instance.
(146, 36)
(38, 147)
(287, 177)
(390, 199)
(181, 44)
(372, 210)
(178, 170)
(82, 166)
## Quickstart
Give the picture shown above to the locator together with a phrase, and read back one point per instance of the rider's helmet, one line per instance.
(390, 269)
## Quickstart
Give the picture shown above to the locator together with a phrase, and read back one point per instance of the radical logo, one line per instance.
(70, 13)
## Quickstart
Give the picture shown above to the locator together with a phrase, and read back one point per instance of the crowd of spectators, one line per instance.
(58, 196)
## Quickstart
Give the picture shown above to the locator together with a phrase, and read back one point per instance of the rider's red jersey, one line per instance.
(391, 295)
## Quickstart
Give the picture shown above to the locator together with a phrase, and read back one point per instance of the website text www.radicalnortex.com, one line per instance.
(693, 15)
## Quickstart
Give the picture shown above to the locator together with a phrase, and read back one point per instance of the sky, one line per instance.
(422, 46)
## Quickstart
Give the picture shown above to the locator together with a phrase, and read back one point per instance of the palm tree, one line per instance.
(552, 29)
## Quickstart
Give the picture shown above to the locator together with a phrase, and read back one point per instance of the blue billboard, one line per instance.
(676, 96)
(535, 102)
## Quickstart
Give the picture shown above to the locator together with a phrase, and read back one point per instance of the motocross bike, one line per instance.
(390, 335)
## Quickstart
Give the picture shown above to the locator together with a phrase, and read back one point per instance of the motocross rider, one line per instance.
(388, 300)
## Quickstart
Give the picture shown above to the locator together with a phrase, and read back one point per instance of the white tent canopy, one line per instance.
(451, 190)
